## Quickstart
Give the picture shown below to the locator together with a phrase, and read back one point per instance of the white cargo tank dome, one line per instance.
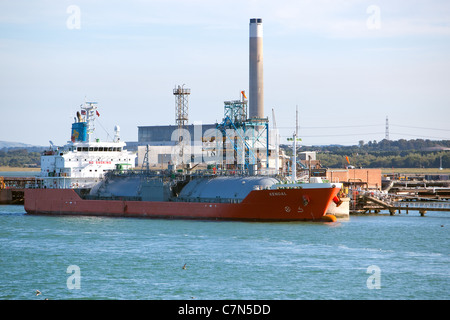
(225, 187)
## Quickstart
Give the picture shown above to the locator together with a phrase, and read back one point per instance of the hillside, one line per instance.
(20, 158)
(9, 144)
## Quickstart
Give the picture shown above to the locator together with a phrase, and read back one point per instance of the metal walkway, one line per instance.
(367, 203)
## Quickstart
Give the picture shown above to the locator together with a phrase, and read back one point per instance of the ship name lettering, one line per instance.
(277, 193)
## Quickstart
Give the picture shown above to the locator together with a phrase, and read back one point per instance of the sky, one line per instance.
(347, 65)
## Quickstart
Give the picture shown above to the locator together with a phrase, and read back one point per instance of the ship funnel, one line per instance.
(256, 79)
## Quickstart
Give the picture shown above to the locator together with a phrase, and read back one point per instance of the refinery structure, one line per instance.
(230, 170)
(242, 141)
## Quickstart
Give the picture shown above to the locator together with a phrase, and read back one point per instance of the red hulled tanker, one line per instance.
(72, 187)
(157, 199)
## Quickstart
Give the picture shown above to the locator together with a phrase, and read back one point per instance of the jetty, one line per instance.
(369, 202)
(370, 191)
(12, 188)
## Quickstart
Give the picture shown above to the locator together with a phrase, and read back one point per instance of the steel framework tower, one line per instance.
(244, 137)
(387, 129)
(181, 114)
(181, 105)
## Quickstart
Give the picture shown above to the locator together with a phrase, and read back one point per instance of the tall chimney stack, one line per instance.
(256, 79)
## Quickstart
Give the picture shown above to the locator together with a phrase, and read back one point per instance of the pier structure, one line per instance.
(12, 188)
(367, 202)
(371, 191)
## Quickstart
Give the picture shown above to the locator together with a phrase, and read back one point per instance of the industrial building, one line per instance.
(158, 142)
(242, 141)
(162, 135)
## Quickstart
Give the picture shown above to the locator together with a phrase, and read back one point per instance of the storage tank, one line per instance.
(216, 189)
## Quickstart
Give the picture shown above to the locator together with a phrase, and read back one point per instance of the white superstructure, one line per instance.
(81, 162)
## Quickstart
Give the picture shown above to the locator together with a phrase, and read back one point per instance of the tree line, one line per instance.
(417, 153)
(19, 158)
(401, 153)
(380, 159)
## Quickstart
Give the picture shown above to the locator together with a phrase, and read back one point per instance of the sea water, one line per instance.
(365, 257)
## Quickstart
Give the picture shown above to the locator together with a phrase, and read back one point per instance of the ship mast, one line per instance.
(294, 139)
(90, 109)
(294, 161)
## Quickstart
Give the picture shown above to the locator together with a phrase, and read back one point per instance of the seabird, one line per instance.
(38, 292)
(184, 267)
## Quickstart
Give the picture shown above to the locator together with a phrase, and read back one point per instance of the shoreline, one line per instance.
(8, 169)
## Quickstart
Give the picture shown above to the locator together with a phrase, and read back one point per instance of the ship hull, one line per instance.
(259, 205)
